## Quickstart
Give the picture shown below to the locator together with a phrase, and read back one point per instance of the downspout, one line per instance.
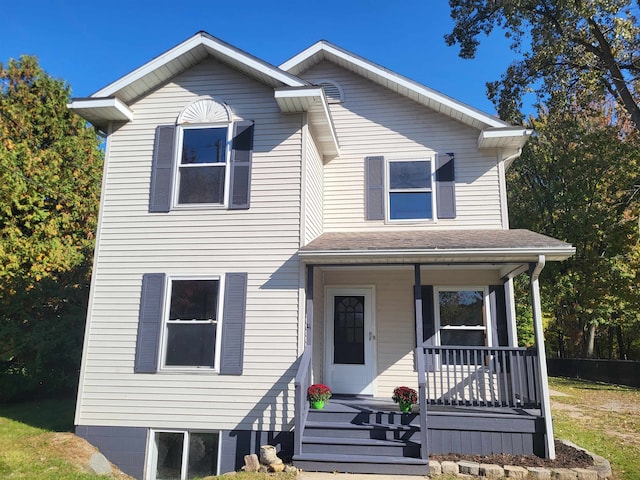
(509, 160)
(545, 403)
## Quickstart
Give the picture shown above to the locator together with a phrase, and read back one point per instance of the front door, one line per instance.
(350, 345)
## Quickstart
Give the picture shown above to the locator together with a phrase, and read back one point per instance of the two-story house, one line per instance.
(328, 221)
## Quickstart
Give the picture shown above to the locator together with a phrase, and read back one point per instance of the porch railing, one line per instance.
(302, 383)
(481, 376)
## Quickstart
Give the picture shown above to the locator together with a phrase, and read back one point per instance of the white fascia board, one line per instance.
(110, 109)
(189, 44)
(303, 55)
(305, 91)
(512, 137)
(393, 77)
(515, 255)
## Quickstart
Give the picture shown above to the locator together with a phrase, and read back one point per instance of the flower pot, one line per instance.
(405, 407)
(317, 404)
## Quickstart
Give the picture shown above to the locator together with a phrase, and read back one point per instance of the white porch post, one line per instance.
(535, 270)
(512, 328)
(309, 309)
(418, 304)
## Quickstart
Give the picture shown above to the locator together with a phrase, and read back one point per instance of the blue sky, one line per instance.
(90, 44)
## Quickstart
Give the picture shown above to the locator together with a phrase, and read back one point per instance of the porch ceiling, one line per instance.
(440, 246)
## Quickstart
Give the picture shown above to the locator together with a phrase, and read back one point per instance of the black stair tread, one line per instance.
(383, 459)
(356, 441)
(369, 425)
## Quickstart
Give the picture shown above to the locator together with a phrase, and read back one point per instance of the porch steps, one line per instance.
(350, 437)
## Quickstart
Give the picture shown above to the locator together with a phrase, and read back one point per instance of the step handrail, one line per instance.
(302, 383)
(422, 402)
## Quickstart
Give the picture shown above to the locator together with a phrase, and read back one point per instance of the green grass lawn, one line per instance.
(35, 443)
(31, 448)
(604, 419)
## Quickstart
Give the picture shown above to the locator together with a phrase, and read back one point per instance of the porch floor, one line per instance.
(367, 403)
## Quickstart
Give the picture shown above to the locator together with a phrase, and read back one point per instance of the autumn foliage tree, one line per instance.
(50, 163)
(591, 47)
(578, 179)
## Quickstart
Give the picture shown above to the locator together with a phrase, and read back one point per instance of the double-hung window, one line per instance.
(203, 154)
(461, 316)
(461, 319)
(191, 333)
(410, 190)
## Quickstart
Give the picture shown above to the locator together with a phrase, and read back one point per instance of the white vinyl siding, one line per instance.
(374, 121)
(314, 186)
(261, 241)
(394, 315)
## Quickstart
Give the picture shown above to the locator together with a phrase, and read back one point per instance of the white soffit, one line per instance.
(324, 50)
(313, 101)
(101, 111)
(507, 137)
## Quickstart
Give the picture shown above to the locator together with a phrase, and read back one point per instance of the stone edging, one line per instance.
(600, 471)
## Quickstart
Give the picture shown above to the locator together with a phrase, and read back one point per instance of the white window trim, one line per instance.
(177, 158)
(486, 314)
(387, 190)
(165, 321)
(152, 450)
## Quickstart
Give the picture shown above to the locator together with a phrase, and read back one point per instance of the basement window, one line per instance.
(184, 455)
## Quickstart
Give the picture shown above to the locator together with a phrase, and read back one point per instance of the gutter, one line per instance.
(513, 254)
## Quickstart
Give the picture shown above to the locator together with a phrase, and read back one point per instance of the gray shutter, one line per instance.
(498, 305)
(162, 169)
(149, 323)
(374, 187)
(428, 315)
(428, 323)
(445, 186)
(233, 319)
(240, 166)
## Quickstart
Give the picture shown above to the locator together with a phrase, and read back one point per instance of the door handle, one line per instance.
(371, 336)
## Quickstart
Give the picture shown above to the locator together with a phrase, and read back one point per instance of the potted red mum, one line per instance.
(405, 397)
(318, 394)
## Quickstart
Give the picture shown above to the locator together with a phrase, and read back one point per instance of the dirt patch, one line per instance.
(566, 457)
(615, 407)
(70, 448)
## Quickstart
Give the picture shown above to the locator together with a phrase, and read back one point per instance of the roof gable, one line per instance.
(324, 50)
(187, 54)
(112, 103)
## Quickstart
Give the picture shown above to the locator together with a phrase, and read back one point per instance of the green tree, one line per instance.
(50, 162)
(572, 184)
(590, 47)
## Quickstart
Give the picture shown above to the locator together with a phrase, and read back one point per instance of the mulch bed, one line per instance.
(566, 457)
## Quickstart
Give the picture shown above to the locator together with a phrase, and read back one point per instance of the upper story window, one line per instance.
(410, 190)
(202, 172)
(203, 160)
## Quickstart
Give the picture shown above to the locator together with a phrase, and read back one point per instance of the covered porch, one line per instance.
(432, 310)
